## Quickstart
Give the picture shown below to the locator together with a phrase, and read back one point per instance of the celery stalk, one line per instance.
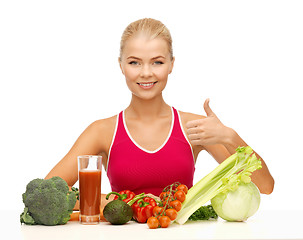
(227, 176)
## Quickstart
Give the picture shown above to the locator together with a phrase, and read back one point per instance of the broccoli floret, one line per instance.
(47, 202)
(26, 218)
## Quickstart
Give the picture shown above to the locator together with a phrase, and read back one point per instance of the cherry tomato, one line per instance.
(176, 204)
(171, 213)
(183, 187)
(167, 200)
(164, 195)
(152, 222)
(157, 210)
(164, 221)
(169, 197)
(180, 195)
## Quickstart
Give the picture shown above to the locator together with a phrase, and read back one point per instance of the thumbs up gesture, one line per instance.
(208, 130)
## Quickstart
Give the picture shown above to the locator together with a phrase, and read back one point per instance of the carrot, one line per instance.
(74, 216)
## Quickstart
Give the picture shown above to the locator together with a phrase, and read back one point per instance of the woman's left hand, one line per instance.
(208, 130)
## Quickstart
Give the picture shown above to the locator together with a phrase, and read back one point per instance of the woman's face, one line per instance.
(146, 64)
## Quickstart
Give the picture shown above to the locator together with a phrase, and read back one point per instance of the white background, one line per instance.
(59, 72)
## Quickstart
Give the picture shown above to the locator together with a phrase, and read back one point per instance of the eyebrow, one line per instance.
(141, 59)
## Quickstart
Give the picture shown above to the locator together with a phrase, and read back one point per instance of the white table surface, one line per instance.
(263, 225)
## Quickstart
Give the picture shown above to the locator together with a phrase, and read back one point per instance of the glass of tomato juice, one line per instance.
(89, 169)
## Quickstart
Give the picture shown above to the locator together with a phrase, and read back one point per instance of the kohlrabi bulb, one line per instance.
(237, 205)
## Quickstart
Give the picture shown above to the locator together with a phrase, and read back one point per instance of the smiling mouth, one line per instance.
(149, 84)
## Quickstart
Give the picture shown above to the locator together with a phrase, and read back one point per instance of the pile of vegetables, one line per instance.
(229, 188)
(172, 198)
(146, 209)
(157, 213)
(47, 202)
(233, 196)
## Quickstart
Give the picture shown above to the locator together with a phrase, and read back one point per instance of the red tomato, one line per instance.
(157, 210)
(152, 222)
(180, 195)
(183, 187)
(176, 204)
(171, 213)
(164, 221)
(164, 195)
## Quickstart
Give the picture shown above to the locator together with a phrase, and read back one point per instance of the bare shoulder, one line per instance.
(187, 116)
(106, 124)
(103, 130)
(94, 140)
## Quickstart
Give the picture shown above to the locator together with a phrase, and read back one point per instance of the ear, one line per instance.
(172, 65)
(120, 64)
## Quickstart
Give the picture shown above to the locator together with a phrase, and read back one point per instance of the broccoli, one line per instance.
(47, 202)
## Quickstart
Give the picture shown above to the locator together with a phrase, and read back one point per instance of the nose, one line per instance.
(146, 71)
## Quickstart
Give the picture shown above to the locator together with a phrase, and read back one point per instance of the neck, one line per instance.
(147, 109)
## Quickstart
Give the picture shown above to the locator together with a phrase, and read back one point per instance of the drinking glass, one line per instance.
(90, 169)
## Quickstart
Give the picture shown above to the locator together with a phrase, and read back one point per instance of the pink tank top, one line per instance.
(132, 167)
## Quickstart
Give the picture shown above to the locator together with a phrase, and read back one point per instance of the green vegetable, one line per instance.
(234, 170)
(237, 205)
(76, 190)
(26, 218)
(204, 213)
(47, 202)
(118, 212)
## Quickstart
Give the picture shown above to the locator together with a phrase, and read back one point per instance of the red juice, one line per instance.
(90, 192)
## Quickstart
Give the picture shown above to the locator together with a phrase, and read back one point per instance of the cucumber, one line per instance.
(117, 212)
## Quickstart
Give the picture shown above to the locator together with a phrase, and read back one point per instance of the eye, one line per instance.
(133, 63)
(158, 62)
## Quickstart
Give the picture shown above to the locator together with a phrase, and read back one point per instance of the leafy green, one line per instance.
(234, 170)
(76, 191)
(204, 213)
(26, 218)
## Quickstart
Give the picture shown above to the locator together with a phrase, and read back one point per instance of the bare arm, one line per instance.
(221, 141)
(262, 177)
(93, 141)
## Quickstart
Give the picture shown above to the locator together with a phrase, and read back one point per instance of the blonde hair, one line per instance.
(151, 27)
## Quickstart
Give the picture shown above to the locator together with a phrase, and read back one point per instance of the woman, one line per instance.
(150, 145)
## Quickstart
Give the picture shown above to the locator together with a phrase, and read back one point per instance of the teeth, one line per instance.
(146, 84)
